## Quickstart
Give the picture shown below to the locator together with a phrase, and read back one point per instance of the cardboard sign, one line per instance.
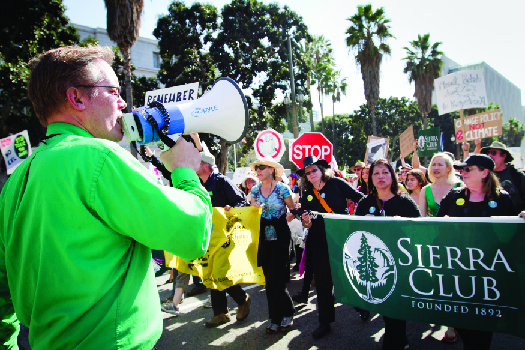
(460, 90)
(406, 141)
(239, 174)
(15, 149)
(479, 126)
(175, 94)
(376, 148)
(428, 142)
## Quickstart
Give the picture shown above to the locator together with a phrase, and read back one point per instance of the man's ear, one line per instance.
(75, 98)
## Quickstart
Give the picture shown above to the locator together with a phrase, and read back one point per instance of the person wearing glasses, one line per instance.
(510, 178)
(75, 237)
(323, 193)
(482, 196)
(384, 199)
(274, 241)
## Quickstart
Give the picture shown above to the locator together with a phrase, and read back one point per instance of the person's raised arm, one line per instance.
(477, 142)
(466, 150)
(415, 160)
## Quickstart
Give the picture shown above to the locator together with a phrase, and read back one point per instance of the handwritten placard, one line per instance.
(479, 126)
(15, 149)
(406, 141)
(460, 90)
(173, 95)
(376, 148)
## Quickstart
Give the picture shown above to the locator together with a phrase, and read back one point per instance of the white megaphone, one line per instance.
(222, 111)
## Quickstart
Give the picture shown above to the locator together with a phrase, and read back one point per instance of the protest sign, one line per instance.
(269, 143)
(460, 272)
(239, 174)
(376, 148)
(479, 126)
(406, 141)
(460, 90)
(516, 154)
(232, 253)
(174, 94)
(15, 149)
(428, 142)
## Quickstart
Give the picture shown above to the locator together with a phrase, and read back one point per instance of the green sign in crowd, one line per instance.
(445, 271)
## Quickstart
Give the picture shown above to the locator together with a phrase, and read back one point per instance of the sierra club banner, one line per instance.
(232, 253)
(459, 272)
(428, 142)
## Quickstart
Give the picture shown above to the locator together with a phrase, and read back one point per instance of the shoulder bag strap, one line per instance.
(323, 202)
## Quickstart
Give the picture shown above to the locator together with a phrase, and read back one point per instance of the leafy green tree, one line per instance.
(29, 28)
(368, 28)
(123, 23)
(423, 65)
(367, 266)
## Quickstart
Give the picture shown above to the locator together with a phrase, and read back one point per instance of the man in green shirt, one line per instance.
(79, 217)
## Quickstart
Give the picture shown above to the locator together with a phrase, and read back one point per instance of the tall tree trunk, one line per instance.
(222, 159)
(333, 127)
(374, 126)
(424, 121)
(311, 113)
(126, 57)
(322, 117)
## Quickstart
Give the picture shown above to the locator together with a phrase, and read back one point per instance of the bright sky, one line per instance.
(471, 32)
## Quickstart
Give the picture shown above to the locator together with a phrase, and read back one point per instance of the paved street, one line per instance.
(187, 331)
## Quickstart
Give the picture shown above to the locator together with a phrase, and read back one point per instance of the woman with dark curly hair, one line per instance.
(415, 181)
(384, 199)
(323, 193)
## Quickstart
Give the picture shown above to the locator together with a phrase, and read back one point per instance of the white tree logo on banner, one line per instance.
(369, 266)
(421, 143)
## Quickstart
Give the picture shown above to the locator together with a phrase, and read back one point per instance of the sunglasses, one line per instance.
(260, 167)
(311, 172)
(494, 153)
(468, 169)
(403, 172)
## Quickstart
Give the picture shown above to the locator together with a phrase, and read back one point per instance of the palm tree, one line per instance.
(337, 87)
(123, 23)
(366, 27)
(423, 66)
(323, 62)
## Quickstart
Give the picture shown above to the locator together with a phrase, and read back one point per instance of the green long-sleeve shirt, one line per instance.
(78, 220)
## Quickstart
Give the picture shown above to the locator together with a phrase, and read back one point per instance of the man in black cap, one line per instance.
(511, 179)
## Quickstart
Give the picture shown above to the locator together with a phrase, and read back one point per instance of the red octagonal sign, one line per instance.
(311, 144)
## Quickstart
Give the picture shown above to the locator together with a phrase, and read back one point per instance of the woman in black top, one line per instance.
(325, 194)
(483, 196)
(384, 200)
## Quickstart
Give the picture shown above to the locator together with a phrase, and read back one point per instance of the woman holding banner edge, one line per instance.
(384, 200)
(482, 196)
(323, 193)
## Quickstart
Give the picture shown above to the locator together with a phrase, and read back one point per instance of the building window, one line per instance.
(156, 60)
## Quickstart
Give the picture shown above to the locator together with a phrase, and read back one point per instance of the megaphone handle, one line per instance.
(165, 139)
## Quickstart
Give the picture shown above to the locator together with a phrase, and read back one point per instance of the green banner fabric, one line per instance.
(428, 142)
(446, 271)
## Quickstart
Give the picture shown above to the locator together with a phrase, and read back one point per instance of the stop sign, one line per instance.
(311, 144)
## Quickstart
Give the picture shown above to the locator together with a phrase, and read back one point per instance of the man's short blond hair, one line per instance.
(55, 71)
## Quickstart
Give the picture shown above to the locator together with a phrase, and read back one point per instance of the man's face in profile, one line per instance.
(103, 110)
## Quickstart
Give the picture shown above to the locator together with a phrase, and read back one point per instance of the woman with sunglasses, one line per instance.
(415, 181)
(323, 193)
(274, 241)
(443, 179)
(482, 196)
(385, 200)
